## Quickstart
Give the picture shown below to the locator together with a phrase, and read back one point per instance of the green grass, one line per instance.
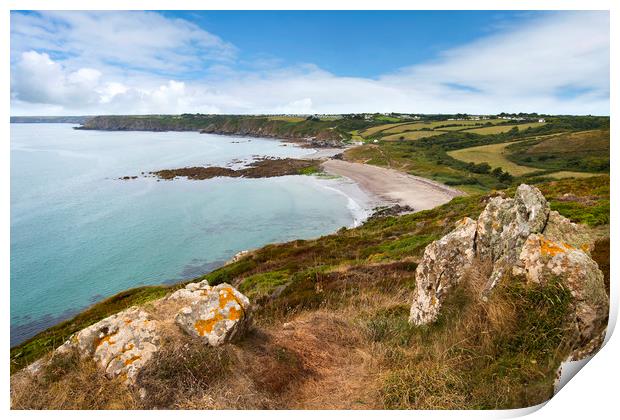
(287, 119)
(494, 155)
(310, 170)
(586, 151)
(263, 284)
(411, 135)
(503, 128)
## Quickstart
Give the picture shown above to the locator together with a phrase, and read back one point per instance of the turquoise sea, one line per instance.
(79, 234)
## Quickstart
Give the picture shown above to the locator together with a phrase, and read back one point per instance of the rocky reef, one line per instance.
(517, 239)
(261, 168)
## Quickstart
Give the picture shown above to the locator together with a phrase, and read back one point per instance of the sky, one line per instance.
(270, 62)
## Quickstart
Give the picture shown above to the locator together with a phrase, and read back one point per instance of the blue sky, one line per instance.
(351, 43)
(304, 62)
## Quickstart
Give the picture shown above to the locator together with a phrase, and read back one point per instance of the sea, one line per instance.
(80, 234)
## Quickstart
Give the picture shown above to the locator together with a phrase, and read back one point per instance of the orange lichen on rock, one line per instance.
(105, 339)
(227, 295)
(205, 326)
(548, 247)
(234, 314)
(132, 359)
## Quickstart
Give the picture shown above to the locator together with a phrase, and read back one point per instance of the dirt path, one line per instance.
(343, 374)
(393, 186)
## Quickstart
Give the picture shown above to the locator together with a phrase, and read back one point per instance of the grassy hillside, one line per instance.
(561, 147)
(494, 155)
(347, 296)
(586, 151)
(504, 128)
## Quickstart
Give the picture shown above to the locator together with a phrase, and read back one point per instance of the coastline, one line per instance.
(393, 187)
(363, 195)
(368, 186)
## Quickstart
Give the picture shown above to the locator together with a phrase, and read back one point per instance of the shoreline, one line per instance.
(356, 182)
(392, 187)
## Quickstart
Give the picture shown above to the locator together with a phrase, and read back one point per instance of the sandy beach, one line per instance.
(393, 186)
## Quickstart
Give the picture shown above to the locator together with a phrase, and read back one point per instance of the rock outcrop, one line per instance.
(542, 259)
(504, 226)
(122, 344)
(216, 315)
(520, 237)
(441, 268)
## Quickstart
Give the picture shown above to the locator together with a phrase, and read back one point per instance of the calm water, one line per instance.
(78, 234)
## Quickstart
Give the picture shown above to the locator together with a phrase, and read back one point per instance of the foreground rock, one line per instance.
(216, 315)
(542, 260)
(120, 344)
(442, 266)
(519, 237)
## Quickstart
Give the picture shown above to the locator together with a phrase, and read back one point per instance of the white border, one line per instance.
(592, 394)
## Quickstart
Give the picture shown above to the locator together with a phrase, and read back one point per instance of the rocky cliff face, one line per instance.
(516, 238)
(316, 134)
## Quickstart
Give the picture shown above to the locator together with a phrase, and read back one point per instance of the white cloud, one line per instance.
(135, 40)
(529, 68)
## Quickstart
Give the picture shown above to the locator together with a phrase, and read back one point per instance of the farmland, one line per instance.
(586, 151)
(412, 135)
(494, 155)
(503, 128)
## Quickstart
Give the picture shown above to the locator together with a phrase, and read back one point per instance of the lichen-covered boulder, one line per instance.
(120, 344)
(442, 266)
(191, 292)
(517, 236)
(560, 229)
(216, 315)
(505, 224)
(542, 260)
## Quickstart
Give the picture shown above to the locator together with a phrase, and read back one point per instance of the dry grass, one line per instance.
(70, 383)
(582, 141)
(572, 174)
(475, 356)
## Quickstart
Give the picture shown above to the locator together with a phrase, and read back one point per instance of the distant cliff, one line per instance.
(64, 119)
(319, 132)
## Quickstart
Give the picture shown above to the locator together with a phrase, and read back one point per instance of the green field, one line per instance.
(373, 130)
(412, 135)
(494, 155)
(285, 118)
(571, 174)
(586, 151)
(503, 128)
